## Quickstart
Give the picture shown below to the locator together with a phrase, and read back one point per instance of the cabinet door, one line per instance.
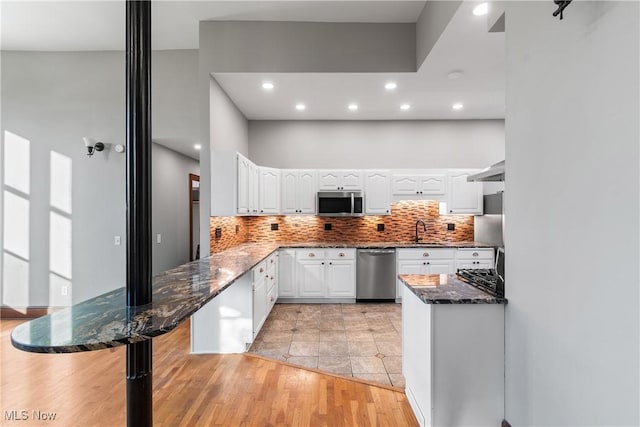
(464, 197)
(243, 185)
(259, 305)
(377, 197)
(310, 276)
(440, 266)
(289, 191)
(405, 185)
(254, 188)
(328, 180)
(307, 192)
(269, 190)
(287, 274)
(341, 279)
(407, 267)
(432, 184)
(351, 180)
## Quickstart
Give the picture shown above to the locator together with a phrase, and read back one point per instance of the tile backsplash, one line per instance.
(398, 227)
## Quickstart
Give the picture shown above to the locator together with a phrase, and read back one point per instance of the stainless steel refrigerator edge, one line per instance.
(489, 228)
(376, 274)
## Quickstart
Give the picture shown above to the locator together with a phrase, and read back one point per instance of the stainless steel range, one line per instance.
(490, 280)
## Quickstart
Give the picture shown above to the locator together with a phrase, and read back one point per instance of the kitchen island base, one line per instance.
(453, 361)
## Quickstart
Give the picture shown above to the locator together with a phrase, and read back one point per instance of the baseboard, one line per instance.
(25, 312)
(505, 423)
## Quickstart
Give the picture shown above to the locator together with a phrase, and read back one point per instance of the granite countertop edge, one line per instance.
(177, 294)
(454, 291)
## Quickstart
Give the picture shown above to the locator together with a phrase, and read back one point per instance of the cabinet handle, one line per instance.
(311, 254)
(417, 192)
(323, 263)
(261, 211)
(428, 263)
(261, 269)
(450, 210)
(387, 210)
(330, 263)
(475, 254)
(425, 254)
(341, 254)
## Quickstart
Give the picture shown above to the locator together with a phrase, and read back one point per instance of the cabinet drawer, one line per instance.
(259, 271)
(475, 253)
(426, 253)
(310, 254)
(338, 254)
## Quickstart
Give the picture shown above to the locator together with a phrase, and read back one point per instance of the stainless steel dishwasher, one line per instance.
(376, 274)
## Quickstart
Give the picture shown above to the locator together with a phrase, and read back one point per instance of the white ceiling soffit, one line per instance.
(100, 25)
(465, 45)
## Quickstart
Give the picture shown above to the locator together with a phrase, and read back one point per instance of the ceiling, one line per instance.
(465, 45)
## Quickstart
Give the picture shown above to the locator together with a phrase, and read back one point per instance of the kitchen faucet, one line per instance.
(424, 226)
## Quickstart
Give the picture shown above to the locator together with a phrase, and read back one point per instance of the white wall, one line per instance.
(572, 203)
(75, 205)
(377, 144)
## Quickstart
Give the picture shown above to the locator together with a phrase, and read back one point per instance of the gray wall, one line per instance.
(171, 207)
(377, 144)
(433, 19)
(52, 100)
(572, 204)
(241, 46)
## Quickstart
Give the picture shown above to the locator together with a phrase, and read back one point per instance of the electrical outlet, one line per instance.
(274, 227)
(116, 240)
(159, 238)
(380, 227)
(451, 227)
(218, 232)
(327, 226)
(64, 290)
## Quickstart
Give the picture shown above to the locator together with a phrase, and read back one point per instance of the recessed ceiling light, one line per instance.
(267, 85)
(353, 107)
(197, 146)
(481, 9)
(457, 106)
(390, 85)
(301, 107)
(456, 74)
(405, 107)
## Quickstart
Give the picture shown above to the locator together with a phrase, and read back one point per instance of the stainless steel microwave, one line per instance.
(340, 203)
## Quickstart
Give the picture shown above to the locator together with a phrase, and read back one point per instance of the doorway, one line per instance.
(194, 217)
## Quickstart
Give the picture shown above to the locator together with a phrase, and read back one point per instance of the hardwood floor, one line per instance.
(88, 389)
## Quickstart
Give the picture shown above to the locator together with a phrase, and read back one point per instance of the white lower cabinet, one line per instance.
(316, 274)
(310, 279)
(453, 362)
(231, 321)
(423, 261)
(474, 258)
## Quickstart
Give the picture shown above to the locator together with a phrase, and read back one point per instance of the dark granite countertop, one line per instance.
(104, 321)
(385, 245)
(446, 289)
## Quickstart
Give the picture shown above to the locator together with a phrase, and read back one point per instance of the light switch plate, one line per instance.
(159, 238)
(116, 240)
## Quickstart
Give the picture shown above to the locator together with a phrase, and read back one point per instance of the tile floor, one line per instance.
(359, 340)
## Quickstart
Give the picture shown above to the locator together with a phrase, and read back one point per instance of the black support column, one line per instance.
(139, 239)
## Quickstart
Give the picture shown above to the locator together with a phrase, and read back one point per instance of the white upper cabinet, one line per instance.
(243, 184)
(340, 180)
(377, 192)
(269, 195)
(464, 197)
(298, 191)
(418, 185)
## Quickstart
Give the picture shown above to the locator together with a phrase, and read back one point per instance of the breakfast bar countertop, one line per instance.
(105, 321)
(446, 289)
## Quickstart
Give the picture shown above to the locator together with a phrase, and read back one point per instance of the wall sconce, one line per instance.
(92, 145)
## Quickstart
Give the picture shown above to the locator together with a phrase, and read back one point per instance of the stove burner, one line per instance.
(485, 279)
